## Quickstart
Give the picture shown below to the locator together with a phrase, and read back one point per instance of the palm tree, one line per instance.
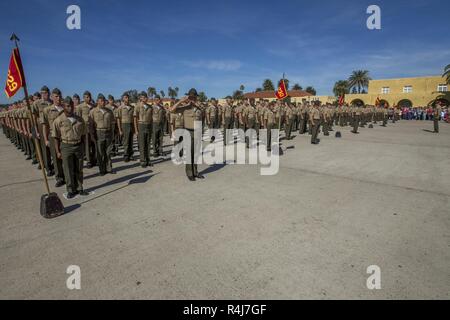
(359, 79)
(177, 90)
(242, 88)
(258, 89)
(162, 93)
(268, 85)
(172, 93)
(202, 96)
(297, 87)
(341, 88)
(311, 90)
(447, 73)
(151, 91)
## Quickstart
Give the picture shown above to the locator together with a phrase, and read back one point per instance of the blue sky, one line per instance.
(215, 46)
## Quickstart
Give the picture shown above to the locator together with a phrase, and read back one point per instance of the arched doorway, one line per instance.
(405, 103)
(357, 102)
(444, 102)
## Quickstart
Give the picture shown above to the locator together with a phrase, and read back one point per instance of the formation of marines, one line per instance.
(72, 132)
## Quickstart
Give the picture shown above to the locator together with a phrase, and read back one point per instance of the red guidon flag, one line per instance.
(341, 100)
(16, 79)
(377, 102)
(282, 91)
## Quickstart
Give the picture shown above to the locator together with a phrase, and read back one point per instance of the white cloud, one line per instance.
(220, 65)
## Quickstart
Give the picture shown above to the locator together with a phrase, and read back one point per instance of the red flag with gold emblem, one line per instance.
(378, 101)
(282, 91)
(16, 78)
(341, 100)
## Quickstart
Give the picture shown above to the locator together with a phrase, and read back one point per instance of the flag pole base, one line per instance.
(51, 206)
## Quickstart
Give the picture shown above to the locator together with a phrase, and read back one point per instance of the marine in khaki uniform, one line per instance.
(158, 119)
(436, 116)
(356, 114)
(102, 123)
(125, 116)
(249, 116)
(227, 119)
(314, 119)
(212, 116)
(269, 124)
(69, 132)
(289, 121)
(114, 108)
(191, 112)
(143, 113)
(83, 110)
(49, 115)
(177, 122)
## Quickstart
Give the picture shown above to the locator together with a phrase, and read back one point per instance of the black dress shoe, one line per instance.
(83, 193)
(71, 195)
(199, 176)
(50, 173)
(59, 184)
(143, 165)
(126, 160)
(191, 178)
(102, 174)
(111, 172)
(89, 166)
(149, 164)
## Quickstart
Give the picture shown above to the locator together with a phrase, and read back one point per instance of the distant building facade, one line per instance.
(404, 92)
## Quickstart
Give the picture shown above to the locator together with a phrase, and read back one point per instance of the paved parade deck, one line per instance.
(377, 198)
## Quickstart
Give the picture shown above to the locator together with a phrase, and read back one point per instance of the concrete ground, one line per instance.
(378, 198)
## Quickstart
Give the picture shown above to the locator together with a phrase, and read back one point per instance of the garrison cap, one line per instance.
(192, 92)
(101, 96)
(45, 88)
(56, 91)
(87, 93)
(110, 97)
(37, 94)
(76, 96)
(125, 95)
(143, 94)
(68, 100)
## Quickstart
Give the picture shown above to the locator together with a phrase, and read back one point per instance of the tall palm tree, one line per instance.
(162, 93)
(151, 91)
(341, 88)
(297, 87)
(447, 73)
(359, 79)
(177, 90)
(268, 85)
(172, 93)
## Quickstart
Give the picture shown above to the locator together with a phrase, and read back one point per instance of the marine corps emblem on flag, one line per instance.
(15, 79)
(281, 92)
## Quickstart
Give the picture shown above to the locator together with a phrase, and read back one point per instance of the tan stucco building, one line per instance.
(418, 91)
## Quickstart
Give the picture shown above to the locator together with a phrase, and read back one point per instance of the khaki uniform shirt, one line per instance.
(83, 110)
(125, 113)
(144, 113)
(102, 119)
(49, 115)
(269, 116)
(158, 113)
(69, 130)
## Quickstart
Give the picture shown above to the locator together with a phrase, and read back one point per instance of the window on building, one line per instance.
(407, 89)
(442, 88)
(385, 90)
